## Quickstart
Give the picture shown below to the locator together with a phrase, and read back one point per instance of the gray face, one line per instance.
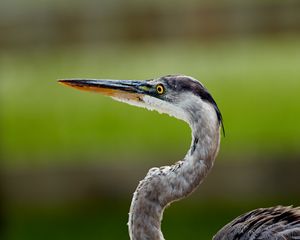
(176, 86)
(177, 95)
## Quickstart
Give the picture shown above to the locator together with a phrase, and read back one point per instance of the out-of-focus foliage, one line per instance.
(71, 159)
(255, 83)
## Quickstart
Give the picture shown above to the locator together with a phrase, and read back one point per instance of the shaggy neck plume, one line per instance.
(164, 185)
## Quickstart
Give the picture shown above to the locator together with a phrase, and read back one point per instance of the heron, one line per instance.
(187, 99)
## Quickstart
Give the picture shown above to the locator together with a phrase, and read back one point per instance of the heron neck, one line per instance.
(167, 184)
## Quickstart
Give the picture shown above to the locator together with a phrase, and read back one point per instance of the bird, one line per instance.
(186, 98)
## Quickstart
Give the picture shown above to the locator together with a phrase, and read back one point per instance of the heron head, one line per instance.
(177, 95)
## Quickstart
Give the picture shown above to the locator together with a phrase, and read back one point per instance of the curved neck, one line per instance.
(163, 185)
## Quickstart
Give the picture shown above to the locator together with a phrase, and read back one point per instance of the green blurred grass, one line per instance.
(255, 82)
(104, 220)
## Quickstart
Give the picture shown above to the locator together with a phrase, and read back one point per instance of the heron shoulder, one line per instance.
(264, 223)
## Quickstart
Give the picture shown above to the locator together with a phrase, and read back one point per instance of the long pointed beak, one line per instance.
(124, 89)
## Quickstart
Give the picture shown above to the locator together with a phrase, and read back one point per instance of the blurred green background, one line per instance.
(71, 160)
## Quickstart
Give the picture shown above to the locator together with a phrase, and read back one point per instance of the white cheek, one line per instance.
(152, 103)
(161, 106)
(129, 101)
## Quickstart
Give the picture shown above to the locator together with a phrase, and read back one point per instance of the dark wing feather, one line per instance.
(278, 223)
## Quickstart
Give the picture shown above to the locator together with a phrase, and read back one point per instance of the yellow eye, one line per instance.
(160, 89)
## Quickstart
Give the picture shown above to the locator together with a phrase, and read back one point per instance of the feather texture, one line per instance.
(278, 223)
